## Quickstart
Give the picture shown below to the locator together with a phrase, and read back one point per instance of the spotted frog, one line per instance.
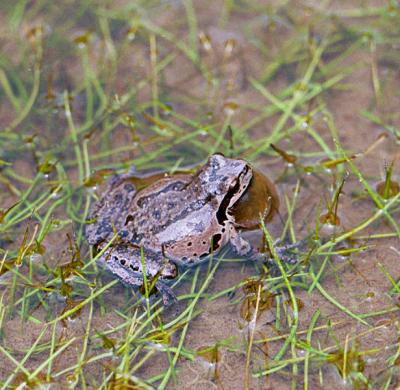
(177, 220)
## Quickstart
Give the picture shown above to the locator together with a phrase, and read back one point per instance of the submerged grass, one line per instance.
(90, 89)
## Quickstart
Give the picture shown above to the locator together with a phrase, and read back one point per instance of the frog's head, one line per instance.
(226, 178)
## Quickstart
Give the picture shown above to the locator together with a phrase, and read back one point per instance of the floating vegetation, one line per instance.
(388, 188)
(331, 216)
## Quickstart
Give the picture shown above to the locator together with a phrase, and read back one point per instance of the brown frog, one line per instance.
(180, 219)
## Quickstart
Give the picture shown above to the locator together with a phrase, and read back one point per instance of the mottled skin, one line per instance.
(177, 219)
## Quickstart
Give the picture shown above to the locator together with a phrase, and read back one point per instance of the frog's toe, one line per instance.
(168, 296)
(287, 254)
(279, 245)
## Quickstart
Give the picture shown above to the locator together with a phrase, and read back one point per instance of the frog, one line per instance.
(178, 220)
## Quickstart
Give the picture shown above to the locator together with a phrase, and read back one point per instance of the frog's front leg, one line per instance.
(244, 248)
(240, 245)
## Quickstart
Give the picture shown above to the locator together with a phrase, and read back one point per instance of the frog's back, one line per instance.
(158, 206)
(109, 213)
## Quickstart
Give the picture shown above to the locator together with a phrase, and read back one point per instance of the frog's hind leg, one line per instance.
(135, 279)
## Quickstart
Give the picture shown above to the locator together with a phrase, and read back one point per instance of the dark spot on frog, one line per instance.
(215, 241)
(122, 261)
(189, 244)
(115, 259)
(123, 234)
(215, 164)
(118, 197)
(103, 228)
(142, 202)
(133, 267)
(156, 214)
(209, 198)
(128, 219)
(136, 237)
(199, 227)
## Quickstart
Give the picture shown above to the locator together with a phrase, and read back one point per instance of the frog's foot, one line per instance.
(135, 279)
(168, 296)
(286, 252)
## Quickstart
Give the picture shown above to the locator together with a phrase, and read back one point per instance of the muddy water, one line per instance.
(272, 42)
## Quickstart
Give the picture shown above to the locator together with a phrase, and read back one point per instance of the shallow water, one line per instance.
(90, 86)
